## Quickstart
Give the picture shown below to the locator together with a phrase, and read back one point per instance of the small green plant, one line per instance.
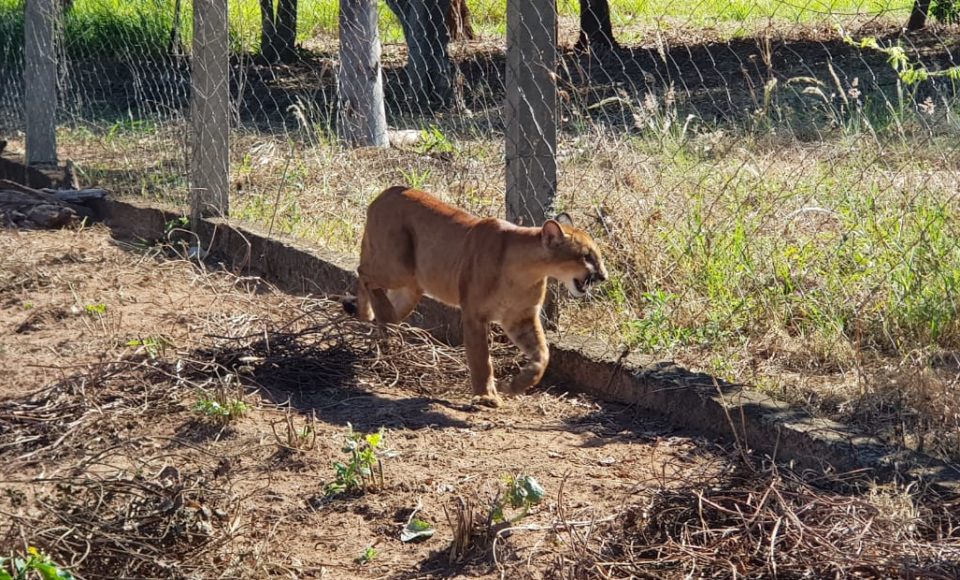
(98, 309)
(154, 346)
(221, 408)
(433, 141)
(417, 178)
(897, 57)
(523, 492)
(364, 470)
(179, 223)
(656, 330)
(946, 11)
(28, 305)
(369, 555)
(18, 568)
(472, 525)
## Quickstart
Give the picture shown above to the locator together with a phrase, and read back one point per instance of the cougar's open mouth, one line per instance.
(580, 285)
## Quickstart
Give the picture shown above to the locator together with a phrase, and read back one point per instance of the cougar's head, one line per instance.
(575, 259)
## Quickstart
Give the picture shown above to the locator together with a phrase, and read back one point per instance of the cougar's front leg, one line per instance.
(528, 335)
(475, 331)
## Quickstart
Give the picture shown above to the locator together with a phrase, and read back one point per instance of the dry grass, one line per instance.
(763, 523)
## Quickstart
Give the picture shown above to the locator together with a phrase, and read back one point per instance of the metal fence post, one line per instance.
(531, 118)
(531, 110)
(362, 118)
(40, 82)
(210, 144)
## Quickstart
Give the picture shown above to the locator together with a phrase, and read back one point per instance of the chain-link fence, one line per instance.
(774, 185)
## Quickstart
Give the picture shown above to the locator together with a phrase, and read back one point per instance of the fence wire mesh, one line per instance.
(774, 184)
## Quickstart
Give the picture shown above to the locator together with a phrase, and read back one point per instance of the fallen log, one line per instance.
(29, 208)
(77, 195)
(37, 194)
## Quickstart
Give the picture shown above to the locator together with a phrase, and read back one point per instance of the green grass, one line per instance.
(884, 263)
(705, 12)
(96, 29)
(126, 29)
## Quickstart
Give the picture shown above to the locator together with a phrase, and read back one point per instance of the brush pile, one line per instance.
(764, 522)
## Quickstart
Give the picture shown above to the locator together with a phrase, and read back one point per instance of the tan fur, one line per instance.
(413, 244)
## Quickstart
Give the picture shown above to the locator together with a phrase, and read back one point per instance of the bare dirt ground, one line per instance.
(108, 466)
(96, 433)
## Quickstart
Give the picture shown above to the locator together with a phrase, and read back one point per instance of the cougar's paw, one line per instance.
(493, 401)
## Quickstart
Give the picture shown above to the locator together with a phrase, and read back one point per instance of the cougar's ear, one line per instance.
(551, 233)
(565, 220)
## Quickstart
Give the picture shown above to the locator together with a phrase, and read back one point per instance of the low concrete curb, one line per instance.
(730, 412)
(12, 168)
(689, 400)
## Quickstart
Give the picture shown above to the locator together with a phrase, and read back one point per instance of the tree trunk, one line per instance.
(596, 31)
(176, 41)
(268, 31)
(278, 30)
(287, 30)
(458, 21)
(918, 16)
(428, 62)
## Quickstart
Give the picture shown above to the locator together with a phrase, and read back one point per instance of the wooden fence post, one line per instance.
(40, 82)
(531, 118)
(210, 143)
(362, 117)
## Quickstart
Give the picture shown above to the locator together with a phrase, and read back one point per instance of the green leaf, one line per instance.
(50, 571)
(913, 76)
(534, 491)
(20, 567)
(417, 529)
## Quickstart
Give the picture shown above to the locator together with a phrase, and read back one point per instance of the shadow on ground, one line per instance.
(332, 371)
